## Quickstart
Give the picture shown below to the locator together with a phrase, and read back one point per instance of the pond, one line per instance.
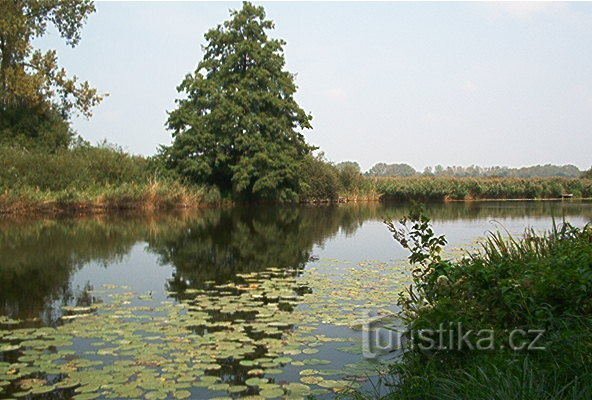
(244, 302)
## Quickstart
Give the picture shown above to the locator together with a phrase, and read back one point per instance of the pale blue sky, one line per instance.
(421, 83)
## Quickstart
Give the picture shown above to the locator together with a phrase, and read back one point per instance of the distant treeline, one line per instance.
(535, 171)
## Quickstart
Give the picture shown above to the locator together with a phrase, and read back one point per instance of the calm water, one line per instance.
(197, 304)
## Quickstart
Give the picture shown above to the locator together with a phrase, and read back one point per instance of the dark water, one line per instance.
(49, 264)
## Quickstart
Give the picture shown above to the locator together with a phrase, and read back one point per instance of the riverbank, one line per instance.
(143, 197)
(527, 305)
(98, 179)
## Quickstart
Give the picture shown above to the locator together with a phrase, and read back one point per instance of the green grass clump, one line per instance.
(535, 282)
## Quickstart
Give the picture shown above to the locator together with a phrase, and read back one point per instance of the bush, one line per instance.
(319, 179)
(536, 282)
(79, 168)
(35, 128)
(350, 176)
(88, 178)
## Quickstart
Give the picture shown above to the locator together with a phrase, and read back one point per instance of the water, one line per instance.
(136, 306)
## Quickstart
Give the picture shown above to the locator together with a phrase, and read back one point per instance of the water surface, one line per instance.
(213, 303)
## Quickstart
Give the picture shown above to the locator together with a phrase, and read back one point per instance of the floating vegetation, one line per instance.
(263, 336)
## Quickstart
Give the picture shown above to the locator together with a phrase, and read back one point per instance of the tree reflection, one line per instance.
(38, 258)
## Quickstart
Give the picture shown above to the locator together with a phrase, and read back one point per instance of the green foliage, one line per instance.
(535, 282)
(587, 174)
(36, 95)
(475, 171)
(383, 169)
(450, 188)
(79, 168)
(320, 179)
(34, 128)
(33, 179)
(419, 238)
(350, 176)
(30, 78)
(239, 127)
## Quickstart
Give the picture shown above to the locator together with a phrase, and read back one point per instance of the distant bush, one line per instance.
(475, 171)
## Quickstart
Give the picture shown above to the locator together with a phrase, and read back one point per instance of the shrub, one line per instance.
(350, 176)
(319, 179)
(535, 282)
(79, 168)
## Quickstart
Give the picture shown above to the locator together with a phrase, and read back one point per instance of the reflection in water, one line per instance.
(38, 259)
(245, 307)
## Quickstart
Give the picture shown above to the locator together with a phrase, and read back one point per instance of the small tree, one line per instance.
(350, 175)
(36, 96)
(239, 126)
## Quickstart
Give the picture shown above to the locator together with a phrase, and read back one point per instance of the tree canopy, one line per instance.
(36, 95)
(238, 126)
(383, 169)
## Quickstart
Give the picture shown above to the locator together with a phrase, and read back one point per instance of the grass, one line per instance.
(90, 179)
(537, 281)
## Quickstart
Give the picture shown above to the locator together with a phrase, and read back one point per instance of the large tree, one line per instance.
(37, 97)
(238, 125)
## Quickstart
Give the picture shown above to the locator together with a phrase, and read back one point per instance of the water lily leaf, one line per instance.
(256, 381)
(271, 393)
(182, 394)
(156, 395)
(86, 396)
(237, 389)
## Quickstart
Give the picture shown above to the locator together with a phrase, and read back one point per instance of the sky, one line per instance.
(506, 84)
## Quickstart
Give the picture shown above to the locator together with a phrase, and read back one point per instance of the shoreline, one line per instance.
(26, 207)
(518, 199)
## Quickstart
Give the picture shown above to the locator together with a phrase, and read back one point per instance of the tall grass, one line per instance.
(90, 179)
